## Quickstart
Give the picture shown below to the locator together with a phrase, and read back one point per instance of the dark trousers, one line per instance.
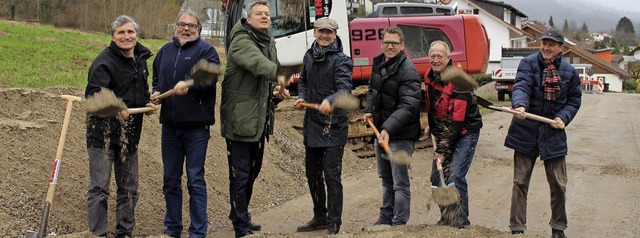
(180, 147)
(556, 170)
(324, 166)
(396, 187)
(245, 162)
(455, 171)
(126, 174)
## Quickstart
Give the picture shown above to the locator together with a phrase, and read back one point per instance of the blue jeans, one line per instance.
(459, 164)
(396, 191)
(126, 174)
(245, 162)
(185, 146)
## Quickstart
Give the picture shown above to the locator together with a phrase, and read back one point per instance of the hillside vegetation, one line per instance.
(38, 56)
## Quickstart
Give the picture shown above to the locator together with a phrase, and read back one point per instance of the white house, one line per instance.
(502, 22)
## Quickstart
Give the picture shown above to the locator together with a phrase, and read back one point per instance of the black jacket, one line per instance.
(394, 97)
(325, 74)
(127, 78)
(171, 65)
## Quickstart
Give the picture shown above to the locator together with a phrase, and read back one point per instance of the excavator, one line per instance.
(422, 23)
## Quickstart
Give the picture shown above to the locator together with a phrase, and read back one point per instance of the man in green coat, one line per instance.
(247, 108)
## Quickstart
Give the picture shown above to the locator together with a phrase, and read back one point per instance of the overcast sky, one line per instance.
(620, 5)
(600, 15)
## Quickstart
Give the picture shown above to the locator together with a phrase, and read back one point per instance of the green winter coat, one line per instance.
(246, 109)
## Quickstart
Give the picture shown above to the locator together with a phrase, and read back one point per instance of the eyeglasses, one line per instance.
(183, 24)
(391, 43)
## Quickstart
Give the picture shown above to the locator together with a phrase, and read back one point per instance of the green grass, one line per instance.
(494, 99)
(38, 56)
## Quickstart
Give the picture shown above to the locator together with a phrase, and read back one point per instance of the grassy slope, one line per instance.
(38, 56)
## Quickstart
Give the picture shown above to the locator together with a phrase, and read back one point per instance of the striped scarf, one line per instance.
(551, 83)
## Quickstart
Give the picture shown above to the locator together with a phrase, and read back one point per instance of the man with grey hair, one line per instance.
(122, 68)
(455, 122)
(185, 118)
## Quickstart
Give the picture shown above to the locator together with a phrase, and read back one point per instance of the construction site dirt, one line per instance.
(603, 166)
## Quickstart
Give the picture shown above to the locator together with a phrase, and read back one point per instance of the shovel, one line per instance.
(486, 104)
(400, 157)
(445, 194)
(344, 101)
(106, 104)
(203, 72)
(56, 168)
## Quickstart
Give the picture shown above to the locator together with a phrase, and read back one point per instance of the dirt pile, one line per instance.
(30, 124)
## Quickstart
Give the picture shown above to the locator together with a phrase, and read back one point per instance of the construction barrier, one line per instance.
(600, 85)
(589, 85)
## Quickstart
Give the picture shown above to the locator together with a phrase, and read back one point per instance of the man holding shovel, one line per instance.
(393, 101)
(247, 110)
(455, 121)
(325, 75)
(122, 68)
(186, 118)
(547, 86)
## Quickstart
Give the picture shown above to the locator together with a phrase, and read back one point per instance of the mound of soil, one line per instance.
(30, 124)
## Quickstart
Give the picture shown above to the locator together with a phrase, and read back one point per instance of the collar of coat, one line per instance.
(138, 51)
(388, 67)
(319, 53)
(176, 41)
(556, 61)
(436, 78)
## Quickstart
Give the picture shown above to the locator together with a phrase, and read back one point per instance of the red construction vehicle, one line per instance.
(292, 26)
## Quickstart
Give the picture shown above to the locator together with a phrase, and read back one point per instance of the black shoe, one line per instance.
(254, 226)
(173, 235)
(381, 221)
(314, 224)
(333, 229)
(245, 234)
(557, 234)
(516, 232)
(443, 222)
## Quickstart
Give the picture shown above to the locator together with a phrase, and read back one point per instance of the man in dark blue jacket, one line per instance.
(122, 68)
(185, 119)
(550, 87)
(393, 101)
(326, 73)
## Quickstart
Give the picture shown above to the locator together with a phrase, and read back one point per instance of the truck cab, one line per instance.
(465, 35)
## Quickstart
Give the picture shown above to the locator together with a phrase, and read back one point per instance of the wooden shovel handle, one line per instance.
(166, 94)
(526, 114)
(63, 136)
(309, 105)
(139, 110)
(383, 144)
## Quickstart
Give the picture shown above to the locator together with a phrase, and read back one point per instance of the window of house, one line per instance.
(420, 48)
(576, 60)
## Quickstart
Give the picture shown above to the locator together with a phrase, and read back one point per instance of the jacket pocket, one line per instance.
(245, 118)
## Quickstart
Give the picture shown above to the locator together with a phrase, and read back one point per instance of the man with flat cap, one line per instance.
(550, 87)
(326, 73)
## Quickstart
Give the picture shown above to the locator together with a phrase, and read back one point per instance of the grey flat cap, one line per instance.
(326, 23)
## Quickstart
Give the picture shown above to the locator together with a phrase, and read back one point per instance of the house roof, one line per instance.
(572, 45)
(634, 50)
(498, 18)
(615, 58)
(507, 6)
